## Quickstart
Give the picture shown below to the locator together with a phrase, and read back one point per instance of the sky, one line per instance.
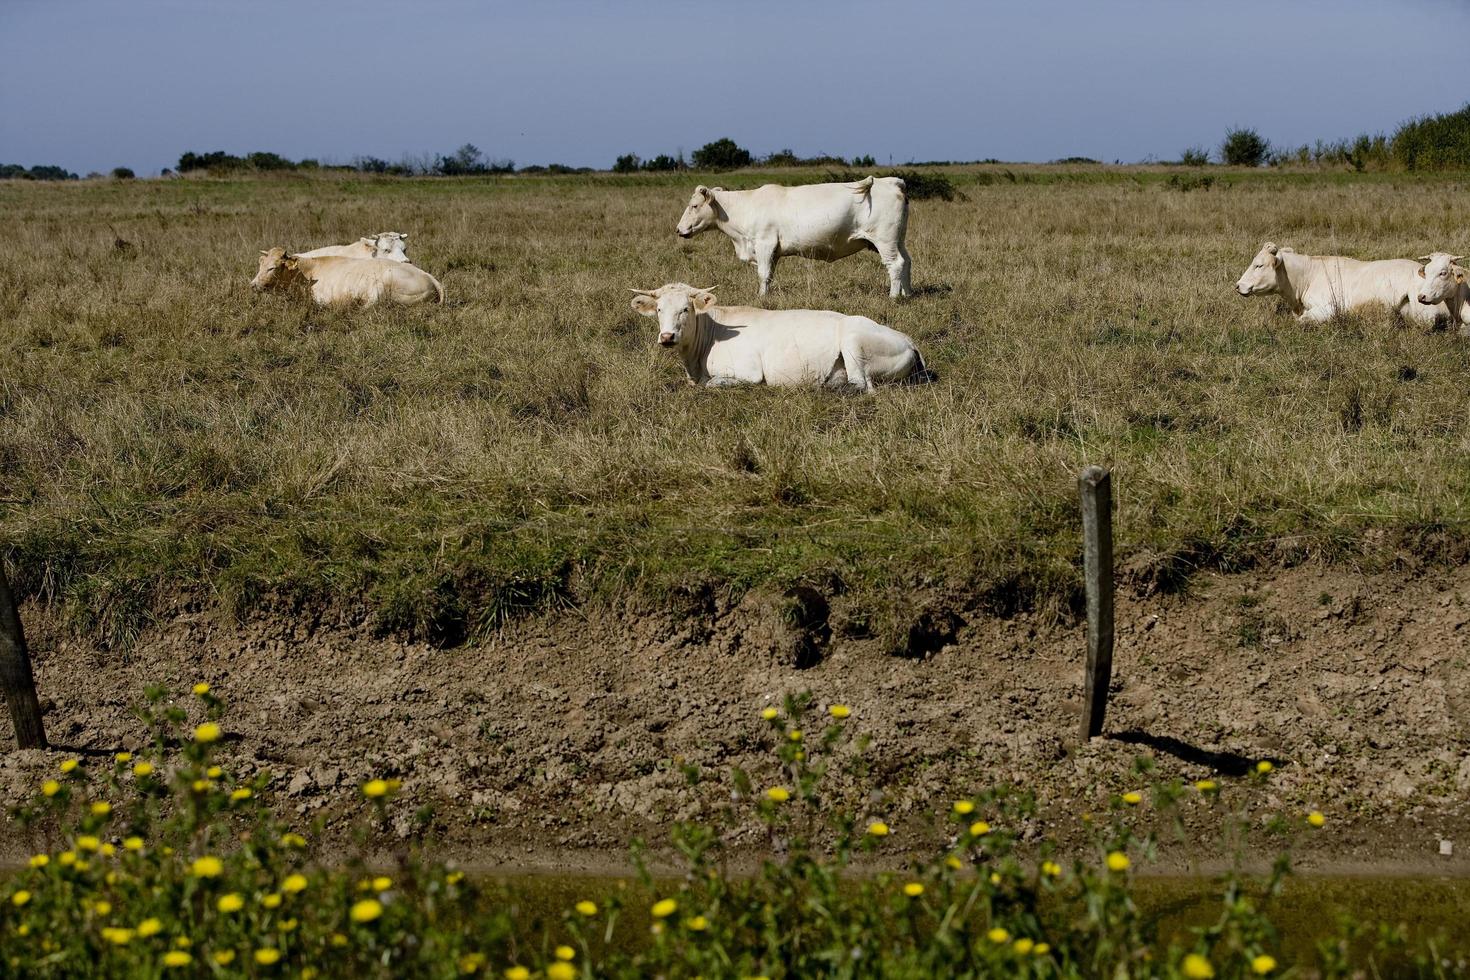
(94, 84)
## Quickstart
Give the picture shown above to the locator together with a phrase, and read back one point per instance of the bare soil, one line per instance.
(557, 742)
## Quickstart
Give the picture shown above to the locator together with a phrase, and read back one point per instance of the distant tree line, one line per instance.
(726, 154)
(1436, 142)
(14, 171)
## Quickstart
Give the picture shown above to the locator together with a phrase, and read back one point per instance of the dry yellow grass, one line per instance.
(162, 429)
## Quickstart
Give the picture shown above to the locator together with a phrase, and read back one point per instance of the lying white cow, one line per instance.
(1318, 287)
(383, 245)
(337, 280)
(1443, 281)
(818, 221)
(735, 345)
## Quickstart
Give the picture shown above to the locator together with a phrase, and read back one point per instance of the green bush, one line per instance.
(1195, 156)
(628, 163)
(1434, 142)
(1244, 148)
(722, 154)
(122, 173)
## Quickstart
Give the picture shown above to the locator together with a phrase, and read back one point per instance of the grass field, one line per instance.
(165, 433)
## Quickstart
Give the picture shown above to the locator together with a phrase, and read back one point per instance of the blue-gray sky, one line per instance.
(93, 84)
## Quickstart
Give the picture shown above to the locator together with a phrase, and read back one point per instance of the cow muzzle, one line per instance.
(1426, 302)
(666, 340)
(684, 234)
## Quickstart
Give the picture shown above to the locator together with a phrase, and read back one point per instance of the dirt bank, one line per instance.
(551, 746)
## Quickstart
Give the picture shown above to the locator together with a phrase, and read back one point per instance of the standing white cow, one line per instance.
(383, 245)
(1318, 287)
(817, 221)
(337, 280)
(737, 345)
(1443, 281)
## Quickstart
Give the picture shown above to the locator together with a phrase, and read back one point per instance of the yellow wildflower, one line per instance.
(565, 953)
(1263, 964)
(87, 842)
(243, 793)
(1023, 946)
(201, 689)
(769, 714)
(913, 889)
(338, 939)
(287, 925)
(67, 858)
(954, 862)
(964, 807)
(143, 769)
(50, 787)
(794, 735)
(471, 963)
(586, 908)
(979, 828)
(293, 840)
(374, 788)
(1316, 819)
(267, 956)
(231, 902)
(366, 910)
(123, 757)
(132, 843)
(696, 924)
(107, 850)
(102, 908)
(878, 828)
(1196, 967)
(778, 794)
(1132, 798)
(1051, 869)
(183, 942)
(1118, 861)
(293, 884)
(208, 732)
(23, 930)
(1206, 786)
(69, 765)
(382, 883)
(995, 877)
(839, 711)
(201, 785)
(517, 973)
(664, 908)
(40, 860)
(271, 901)
(177, 957)
(561, 971)
(20, 898)
(225, 957)
(116, 936)
(149, 927)
(214, 772)
(454, 877)
(207, 867)
(998, 935)
(1042, 949)
(1264, 766)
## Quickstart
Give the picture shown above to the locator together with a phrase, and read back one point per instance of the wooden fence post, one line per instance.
(16, 678)
(1097, 549)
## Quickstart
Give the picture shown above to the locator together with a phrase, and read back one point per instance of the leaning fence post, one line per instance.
(16, 679)
(1097, 551)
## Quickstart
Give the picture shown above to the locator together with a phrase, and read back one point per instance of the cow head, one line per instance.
(277, 270)
(676, 305)
(1440, 278)
(389, 245)
(1262, 275)
(701, 213)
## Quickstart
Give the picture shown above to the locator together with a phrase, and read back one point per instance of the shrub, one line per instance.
(1439, 142)
(918, 185)
(664, 162)
(626, 164)
(722, 154)
(218, 160)
(269, 161)
(14, 171)
(122, 173)
(864, 161)
(1195, 156)
(1244, 148)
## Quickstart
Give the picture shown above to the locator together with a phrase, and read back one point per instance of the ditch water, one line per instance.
(1309, 911)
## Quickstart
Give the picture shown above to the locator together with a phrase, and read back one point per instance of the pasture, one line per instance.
(335, 507)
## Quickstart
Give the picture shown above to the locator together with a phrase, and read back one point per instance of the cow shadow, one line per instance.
(1224, 763)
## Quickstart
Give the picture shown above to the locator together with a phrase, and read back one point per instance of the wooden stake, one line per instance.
(16, 678)
(1097, 549)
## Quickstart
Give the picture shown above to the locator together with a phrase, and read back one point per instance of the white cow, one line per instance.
(1318, 287)
(383, 245)
(1443, 281)
(817, 221)
(735, 345)
(338, 280)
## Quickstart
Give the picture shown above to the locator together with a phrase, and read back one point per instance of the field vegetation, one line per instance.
(167, 434)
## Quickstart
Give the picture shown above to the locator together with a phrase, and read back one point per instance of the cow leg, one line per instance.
(896, 260)
(857, 368)
(765, 265)
(1317, 314)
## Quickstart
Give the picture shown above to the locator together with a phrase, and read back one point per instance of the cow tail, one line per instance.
(440, 287)
(921, 374)
(864, 187)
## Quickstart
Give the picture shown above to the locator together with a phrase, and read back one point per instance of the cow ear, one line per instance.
(703, 300)
(1271, 247)
(1421, 272)
(702, 191)
(646, 305)
(717, 190)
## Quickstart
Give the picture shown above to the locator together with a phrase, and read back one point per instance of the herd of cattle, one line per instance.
(736, 345)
